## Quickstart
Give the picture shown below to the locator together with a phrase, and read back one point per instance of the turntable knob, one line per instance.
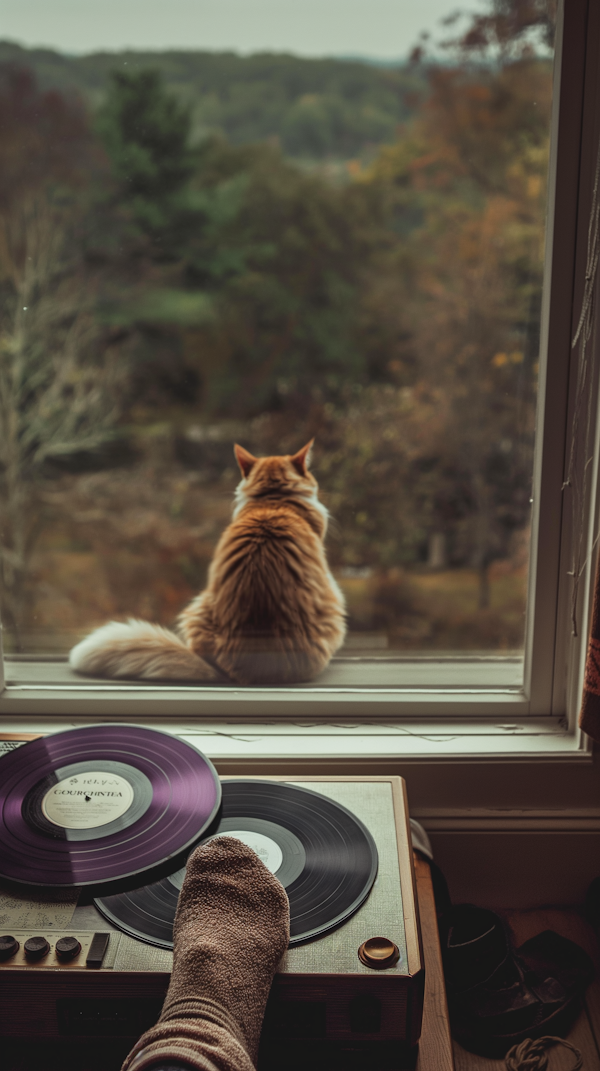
(67, 948)
(36, 948)
(379, 953)
(9, 946)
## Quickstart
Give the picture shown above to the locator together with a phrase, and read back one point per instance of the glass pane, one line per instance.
(284, 228)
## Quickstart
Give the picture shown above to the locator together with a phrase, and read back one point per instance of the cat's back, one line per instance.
(272, 611)
(272, 548)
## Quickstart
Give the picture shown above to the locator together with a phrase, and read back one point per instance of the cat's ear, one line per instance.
(301, 460)
(245, 460)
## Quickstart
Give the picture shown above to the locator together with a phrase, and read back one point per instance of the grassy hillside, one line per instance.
(314, 108)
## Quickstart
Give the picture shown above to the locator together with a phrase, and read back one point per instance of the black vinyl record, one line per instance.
(97, 805)
(323, 855)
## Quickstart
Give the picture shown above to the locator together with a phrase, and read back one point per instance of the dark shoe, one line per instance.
(497, 997)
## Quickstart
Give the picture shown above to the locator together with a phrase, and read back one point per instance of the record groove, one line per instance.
(328, 862)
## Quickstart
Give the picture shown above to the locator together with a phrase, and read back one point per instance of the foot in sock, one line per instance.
(231, 930)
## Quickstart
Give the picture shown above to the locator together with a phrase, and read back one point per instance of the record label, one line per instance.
(88, 801)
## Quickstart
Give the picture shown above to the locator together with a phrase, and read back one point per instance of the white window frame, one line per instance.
(434, 707)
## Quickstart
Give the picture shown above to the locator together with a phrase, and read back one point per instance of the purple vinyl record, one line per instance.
(101, 803)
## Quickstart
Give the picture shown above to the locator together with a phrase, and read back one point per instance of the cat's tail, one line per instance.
(140, 651)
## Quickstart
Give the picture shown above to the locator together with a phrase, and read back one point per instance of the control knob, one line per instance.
(67, 948)
(379, 953)
(36, 948)
(9, 946)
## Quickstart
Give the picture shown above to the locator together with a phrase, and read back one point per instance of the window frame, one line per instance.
(553, 664)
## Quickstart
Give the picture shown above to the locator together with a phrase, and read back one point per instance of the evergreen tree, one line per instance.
(146, 132)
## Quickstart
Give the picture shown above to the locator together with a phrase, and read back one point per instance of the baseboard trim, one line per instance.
(485, 820)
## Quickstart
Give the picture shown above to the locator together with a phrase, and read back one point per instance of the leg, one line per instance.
(231, 930)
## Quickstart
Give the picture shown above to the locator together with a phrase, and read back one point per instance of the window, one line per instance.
(423, 407)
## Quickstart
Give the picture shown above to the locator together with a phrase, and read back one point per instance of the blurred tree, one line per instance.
(291, 261)
(273, 256)
(146, 132)
(472, 176)
(510, 27)
(55, 383)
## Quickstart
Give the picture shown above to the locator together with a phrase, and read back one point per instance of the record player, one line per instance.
(353, 991)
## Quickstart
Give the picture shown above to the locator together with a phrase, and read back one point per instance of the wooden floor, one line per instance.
(585, 1035)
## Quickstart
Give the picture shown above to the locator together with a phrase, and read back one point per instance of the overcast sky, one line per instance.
(377, 28)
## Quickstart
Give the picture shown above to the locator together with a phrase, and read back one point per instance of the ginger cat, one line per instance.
(271, 612)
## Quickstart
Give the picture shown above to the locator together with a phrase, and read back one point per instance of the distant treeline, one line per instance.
(315, 109)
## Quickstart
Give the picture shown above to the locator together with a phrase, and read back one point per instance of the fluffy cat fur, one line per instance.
(271, 612)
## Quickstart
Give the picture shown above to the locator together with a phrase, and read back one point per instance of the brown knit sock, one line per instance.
(231, 930)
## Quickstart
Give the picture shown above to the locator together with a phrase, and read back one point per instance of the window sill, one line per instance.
(361, 689)
(332, 723)
(384, 671)
(273, 747)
